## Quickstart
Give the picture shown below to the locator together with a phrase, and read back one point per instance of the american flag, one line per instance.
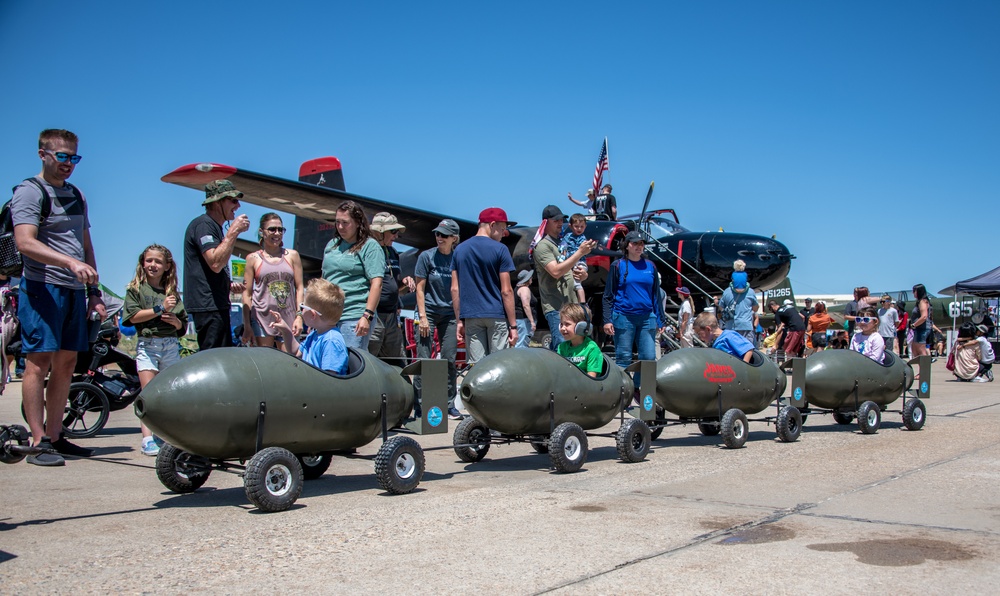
(602, 166)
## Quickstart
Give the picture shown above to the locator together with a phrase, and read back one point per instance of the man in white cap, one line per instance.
(386, 340)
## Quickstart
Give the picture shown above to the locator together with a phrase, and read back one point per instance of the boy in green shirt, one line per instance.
(579, 349)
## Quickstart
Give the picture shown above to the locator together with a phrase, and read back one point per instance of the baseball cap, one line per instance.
(386, 222)
(448, 227)
(220, 189)
(634, 237)
(809, 299)
(982, 329)
(683, 290)
(788, 302)
(552, 212)
(494, 214)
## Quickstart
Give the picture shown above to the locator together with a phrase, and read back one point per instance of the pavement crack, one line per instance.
(777, 515)
(863, 520)
(957, 414)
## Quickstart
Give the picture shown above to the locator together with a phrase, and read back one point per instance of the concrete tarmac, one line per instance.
(836, 512)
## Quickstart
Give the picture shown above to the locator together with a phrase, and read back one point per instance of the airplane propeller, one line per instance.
(645, 205)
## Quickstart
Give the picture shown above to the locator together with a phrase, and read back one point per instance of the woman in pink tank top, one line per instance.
(273, 281)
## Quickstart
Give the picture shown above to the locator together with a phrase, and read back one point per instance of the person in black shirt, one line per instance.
(605, 205)
(387, 338)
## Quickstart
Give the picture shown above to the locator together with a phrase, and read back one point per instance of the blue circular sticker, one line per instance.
(924, 387)
(647, 403)
(798, 394)
(434, 416)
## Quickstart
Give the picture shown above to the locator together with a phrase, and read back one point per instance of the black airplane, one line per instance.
(694, 259)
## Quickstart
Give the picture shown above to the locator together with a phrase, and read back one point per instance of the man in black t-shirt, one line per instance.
(793, 324)
(605, 204)
(387, 338)
(207, 251)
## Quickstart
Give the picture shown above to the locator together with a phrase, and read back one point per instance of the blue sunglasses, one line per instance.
(62, 157)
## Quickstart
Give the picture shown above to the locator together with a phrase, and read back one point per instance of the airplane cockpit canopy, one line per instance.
(661, 227)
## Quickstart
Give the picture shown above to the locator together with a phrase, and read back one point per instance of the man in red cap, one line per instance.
(481, 291)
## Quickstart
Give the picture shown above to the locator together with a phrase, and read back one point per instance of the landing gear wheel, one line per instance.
(9, 437)
(568, 447)
(709, 429)
(399, 465)
(632, 441)
(273, 479)
(314, 465)
(869, 417)
(180, 471)
(471, 432)
(540, 447)
(843, 417)
(734, 428)
(789, 424)
(914, 414)
(654, 433)
(87, 411)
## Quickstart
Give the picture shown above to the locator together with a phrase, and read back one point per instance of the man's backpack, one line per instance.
(11, 263)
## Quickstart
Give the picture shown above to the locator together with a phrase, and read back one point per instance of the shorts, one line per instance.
(53, 318)
(157, 353)
(213, 329)
(819, 339)
(920, 335)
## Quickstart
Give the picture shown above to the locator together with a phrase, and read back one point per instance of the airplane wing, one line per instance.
(313, 202)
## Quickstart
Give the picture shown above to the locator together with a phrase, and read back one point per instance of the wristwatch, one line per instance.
(94, 291)
(158, 309)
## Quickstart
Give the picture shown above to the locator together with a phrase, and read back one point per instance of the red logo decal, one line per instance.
(719, 373)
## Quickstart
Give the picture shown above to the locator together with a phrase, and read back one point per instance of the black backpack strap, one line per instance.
(46, 204)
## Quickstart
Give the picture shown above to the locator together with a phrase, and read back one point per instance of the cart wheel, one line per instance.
(789, 424)
(314, 465)
(632, 441)
(568, 447)
(399, 465)
(914, 414)
(87, 411)
(180, 471)
(734, 428)
(869, 417)
(709, 429)
(10, 436)
(471, 432)
(843, 417)
(273, 479)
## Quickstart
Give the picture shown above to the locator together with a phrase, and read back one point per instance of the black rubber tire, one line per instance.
(789, 424)
(180, 471)
(843, 417)
(273, 479)
(87, 411)
(914, 414)
(540, 447)
(399, 465)
(869, 417)
(471, 431)
(709, 429)
(632, 441)
(568, 447)
(314, 465)
(734, 428)
(14, 434)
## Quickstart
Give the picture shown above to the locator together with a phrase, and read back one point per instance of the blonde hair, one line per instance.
(326, 297)
(169, 277)
(739, 265)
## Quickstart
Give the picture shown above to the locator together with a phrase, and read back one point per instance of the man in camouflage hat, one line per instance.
(207, 251)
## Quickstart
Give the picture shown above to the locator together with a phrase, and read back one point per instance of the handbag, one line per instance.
(950, 365)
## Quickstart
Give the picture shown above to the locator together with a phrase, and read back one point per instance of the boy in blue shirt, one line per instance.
(729, 341)
(578, 349)
(570, 244)
(321, 310)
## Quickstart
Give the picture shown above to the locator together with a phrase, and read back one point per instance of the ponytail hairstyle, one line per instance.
(263, 220)
(364, 231)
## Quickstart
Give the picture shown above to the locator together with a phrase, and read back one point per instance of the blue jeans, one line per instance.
(553, 319)
(523, 333)
(634, 330)
(351, 339)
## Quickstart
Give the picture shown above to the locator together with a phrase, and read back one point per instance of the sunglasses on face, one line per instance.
(62, 157)
(303, 308)
(865, 320)
(440, 235)
(276, 229)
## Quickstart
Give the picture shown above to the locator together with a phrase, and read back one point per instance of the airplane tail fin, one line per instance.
(311, 236)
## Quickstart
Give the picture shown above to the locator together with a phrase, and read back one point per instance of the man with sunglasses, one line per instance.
(888, 319)
(386, 340)
(207, 250)
(59, 291)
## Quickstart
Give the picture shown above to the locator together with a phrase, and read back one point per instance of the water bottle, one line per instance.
(93, 326)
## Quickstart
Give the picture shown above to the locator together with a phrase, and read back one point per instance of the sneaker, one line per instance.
(454, 414)
(46, 459)
(979, 380)
(989, 375)
(933, 360)
(150, 447)
(66, 448)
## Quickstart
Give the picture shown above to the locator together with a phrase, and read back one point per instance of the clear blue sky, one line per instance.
(866, 135)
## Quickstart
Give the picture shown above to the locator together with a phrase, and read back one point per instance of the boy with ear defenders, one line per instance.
(578, 348)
